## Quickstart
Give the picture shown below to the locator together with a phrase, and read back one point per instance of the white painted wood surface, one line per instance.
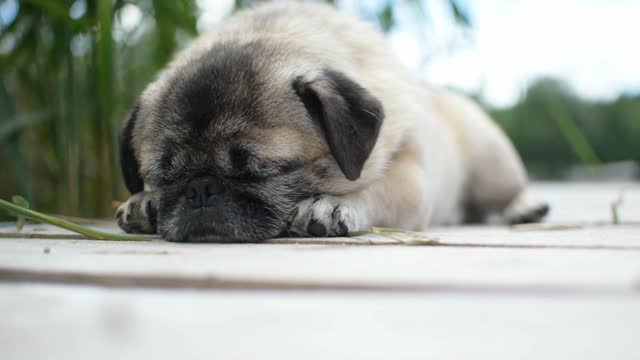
(67, 323)
(341, 266)
(483, 292)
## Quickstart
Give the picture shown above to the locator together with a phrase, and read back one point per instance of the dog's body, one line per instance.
(295, 119)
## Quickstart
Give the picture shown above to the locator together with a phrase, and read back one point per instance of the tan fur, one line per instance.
(437, 153)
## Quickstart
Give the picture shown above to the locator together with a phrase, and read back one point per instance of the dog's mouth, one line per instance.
(203, 236)
(225, 217)
(204, 227)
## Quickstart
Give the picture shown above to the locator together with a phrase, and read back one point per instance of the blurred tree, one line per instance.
(71, 68)
(553, 129)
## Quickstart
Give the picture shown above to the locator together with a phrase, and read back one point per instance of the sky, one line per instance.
(591, 44)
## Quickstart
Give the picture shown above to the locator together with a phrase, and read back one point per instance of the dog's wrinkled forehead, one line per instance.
(217, 92)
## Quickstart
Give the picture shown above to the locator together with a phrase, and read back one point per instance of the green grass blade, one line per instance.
(91, 233)
(572, 133)
(23, 203)
(403, 237)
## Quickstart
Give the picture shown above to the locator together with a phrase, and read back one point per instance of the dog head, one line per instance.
(230, 142)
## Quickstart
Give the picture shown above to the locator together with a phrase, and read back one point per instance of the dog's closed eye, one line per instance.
(262, 170)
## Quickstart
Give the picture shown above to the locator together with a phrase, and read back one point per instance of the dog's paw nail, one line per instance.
(542, 210)
(316, 228)
(343, 229)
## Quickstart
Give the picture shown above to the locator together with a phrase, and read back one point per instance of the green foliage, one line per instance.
(69, 73)
(553, 128)
(21, 202)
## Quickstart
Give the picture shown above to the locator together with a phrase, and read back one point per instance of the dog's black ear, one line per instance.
(347, 113)
(128, 161)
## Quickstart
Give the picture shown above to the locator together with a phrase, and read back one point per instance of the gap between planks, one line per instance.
(356, 242)
(177, 282)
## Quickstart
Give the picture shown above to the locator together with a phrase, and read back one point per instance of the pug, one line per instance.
(292, 119)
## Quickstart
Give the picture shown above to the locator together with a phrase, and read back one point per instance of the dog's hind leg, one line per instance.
(524, 210)
(497, 183)
(499, 193)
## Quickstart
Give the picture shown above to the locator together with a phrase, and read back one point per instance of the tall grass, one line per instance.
(70, 71)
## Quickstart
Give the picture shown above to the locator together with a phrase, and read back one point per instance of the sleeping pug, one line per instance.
(294, 119)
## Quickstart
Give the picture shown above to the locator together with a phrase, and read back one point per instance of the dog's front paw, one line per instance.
(323, 215)
(138, 214)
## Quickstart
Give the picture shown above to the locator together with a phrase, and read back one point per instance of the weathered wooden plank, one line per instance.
(489, 292)
(51, 322)
(493, 258)
(613, 237)
(621, 237)
(334, 266)
(589, 202)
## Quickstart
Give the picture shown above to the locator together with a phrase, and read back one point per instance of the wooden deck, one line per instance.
(569, 289)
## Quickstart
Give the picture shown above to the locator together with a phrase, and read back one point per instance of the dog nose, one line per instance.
(201, 190)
